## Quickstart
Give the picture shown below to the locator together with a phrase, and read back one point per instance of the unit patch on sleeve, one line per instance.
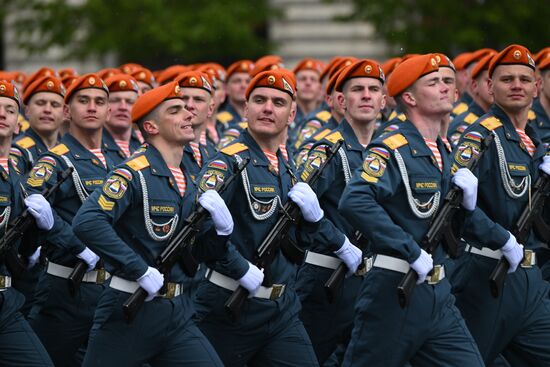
(115, 187)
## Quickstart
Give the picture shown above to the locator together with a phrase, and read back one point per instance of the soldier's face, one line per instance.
(513, 86)
(364, 99)
(143, 87)
(9, 111)
(199, 103)
(219, 97)
(174, 125)
(236, 86)
(269, 112)
(121, 109)
(480, 88)
(430, 95)
(89, 109)
(308, 85)
(449, 78)
(545, 84)
(45, 112)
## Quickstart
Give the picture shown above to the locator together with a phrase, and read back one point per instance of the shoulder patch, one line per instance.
(115, 187)
(224, 117)
(334, 137)
(138, 163)
(16, 152)
(460, 108)
(315, 159)
(374, 166)
(26, 143)
(470, 118)
(321, 134)
(60, 149)
(395, 141)
(531, 115)
(234, 149)
(124, 173)
(324, 116)
(491, 123)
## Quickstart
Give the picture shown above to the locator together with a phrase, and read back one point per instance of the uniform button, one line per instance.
(414, 151)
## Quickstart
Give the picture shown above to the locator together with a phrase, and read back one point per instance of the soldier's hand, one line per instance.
(423, 265)
(467, 181)
(89, 257)
(151, 281)
(513, 252)
(252, 280)
(351, 255)
(41, 210)
(213, 202)
(305, 198)
(545, 165)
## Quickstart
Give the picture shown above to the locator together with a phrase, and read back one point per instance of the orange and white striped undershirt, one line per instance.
(447, 144)
(202, 139)
(527, 141)
(196, 152)
(435, 151)
(180, 179)
(284, 152)
(97, 152)
(124, 146)
(4, 164)
(273, 160)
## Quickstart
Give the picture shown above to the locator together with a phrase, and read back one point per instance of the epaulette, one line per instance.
(401, 117)
(26, 142)
(243, 124)
(138, 163)
(395, 141)
(23, 123)
(470, 118)
(224, 117)
(323, 115)
(491, 123)
(321, 134)
(531, 115)
(234, 149)
(60, 149)
(460, 108)
(334, 137)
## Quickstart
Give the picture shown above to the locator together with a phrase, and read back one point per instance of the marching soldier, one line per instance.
(308, 82)
(232, 112)
(517, 322)
(541, 105)
(391, 201)
(141, 205)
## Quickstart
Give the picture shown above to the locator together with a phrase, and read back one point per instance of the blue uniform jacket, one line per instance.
(541, 123)
(462, 121)
(27, 148)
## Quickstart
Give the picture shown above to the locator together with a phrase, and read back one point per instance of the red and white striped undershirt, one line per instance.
(447, 144)
(4, 164)
(98, 154)
(202, 139)
(196, 152)
(124, 146)
(180, 179)
(273, 160)
(527, 141)
(284, 152)
(435, 150)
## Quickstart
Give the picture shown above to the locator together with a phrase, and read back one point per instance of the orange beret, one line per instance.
(45, 84)
(45, 71)
(332, 81)
(542, 55)
(512, 55)
(212, 75)
(460, 60)
(18, 76)
(68, 80)
(129, 68)
(171, 72)
(482, 65)
(144, 75)
(220, 71)
(87, 81)
(328, 66)
(390, 64)
(409, 71)
(9, 90)
(66, 71)
(108, 72)
(477, 55)
(195, 79)
(544, 64)
(149, 100)
(309, 64)
(444, 61)
(121, 83)
(241, 66)
(360, 69)
(281, 79)
(264, 63)
(340, 64)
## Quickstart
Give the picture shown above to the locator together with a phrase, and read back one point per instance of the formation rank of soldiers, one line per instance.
(353, 214)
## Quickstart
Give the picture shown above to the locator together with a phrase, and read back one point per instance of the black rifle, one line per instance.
(440, 230)
(334, 282)
(529, 218)
(21, 224)
(178, 247)
(269, 247)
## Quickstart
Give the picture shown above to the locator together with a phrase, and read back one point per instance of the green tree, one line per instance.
(152, 32)
(416, 26)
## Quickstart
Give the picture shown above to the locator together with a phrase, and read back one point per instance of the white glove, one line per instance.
(89, 257)
(252, 280)
(513, 252)
(351, 255)
(151, 281)
(213, 202)
(423, 265)
(467, 181)
(306, 199)
(33, 259)
(41, 210)
(545, 165)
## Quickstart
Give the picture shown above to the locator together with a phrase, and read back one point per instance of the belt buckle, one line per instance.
(276, 291)
(529, 259)
(436, 275)
(100, 277)
(170, 290)
(364, 267)
(3, 282)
